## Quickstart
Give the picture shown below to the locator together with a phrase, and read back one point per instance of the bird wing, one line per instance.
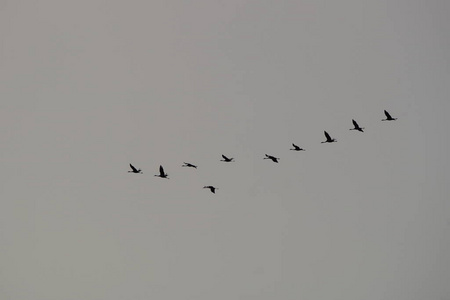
(224, 157)
(327, 135)
(387, 115)
(133, 168)
(295, 146)
(161, 170)
(355, 124)
(213, 190)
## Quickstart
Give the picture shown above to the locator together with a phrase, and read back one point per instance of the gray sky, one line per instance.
(87, 87)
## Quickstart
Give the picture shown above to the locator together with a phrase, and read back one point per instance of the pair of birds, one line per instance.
(273, 158)
(210, 187)
(161, 174)
(388, 118)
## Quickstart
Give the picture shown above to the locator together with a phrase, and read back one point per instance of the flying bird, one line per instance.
(189, 165)
(357, 126)
(161, 173)
(211, 188)
(329, 139)
(273, 158)
(134, 170)
(388, 117)
(226, 159)
(297, 148)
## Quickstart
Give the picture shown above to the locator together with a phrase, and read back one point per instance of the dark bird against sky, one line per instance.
(134, 170)
(329, 139)
(211, 188)
(226, 159)
(297, 148)
(388, 117)
(273, 158)
(161, 173)
(189, 165)
(357, 126)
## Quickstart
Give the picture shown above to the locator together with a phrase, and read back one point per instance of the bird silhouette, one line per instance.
(297, 148)
(273, 158)
(161, 173)
(211, 188)
(189, 165)
(388, 117)
(357, 126)
(226, 159)
(329, 139)
(134, 170)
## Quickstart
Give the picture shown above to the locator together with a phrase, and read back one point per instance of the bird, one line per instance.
(357, 126)
(134, 170)
(273, 158)
(189, 165)
(329, 139)
(388, 117)
(161, 173)
(297, 148)
(226, 159)
(211, 188)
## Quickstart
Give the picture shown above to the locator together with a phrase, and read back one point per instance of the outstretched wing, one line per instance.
(133, 168)
(355, 124)
(224, 157)
(327, 135)
(161, 171)
(295, 146)
(387, 115)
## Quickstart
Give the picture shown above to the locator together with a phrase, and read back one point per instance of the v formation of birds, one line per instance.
(163, 174)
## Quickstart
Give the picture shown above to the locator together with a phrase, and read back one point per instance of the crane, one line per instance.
(161, 173)
(226, 159)
(134, 170)
(211, 188)
(388, 117)
(329, 139)
(297, 148)
(357, 126)
(273, 158)
(189, 165)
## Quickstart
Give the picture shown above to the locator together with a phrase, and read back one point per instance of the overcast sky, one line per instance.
(89, 86)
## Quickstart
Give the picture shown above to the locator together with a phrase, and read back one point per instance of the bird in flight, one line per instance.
(161, 173)
(226, 159)
(357, 126)
(189, 165)
(297, 148)
(211, 188)
(273, 158)
(329, 139)
(388, 117)
(134, 170)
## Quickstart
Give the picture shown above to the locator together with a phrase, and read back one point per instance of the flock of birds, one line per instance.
(163, 174)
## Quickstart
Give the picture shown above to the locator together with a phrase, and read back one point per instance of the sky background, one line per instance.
(89, 86)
